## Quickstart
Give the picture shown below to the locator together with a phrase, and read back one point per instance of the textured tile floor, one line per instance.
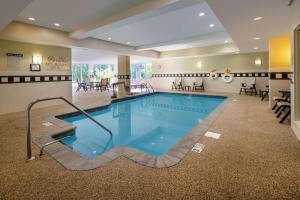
(256, 158)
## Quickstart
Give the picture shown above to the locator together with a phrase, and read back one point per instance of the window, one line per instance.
(80, 72)
(141, 71)
(104, 71)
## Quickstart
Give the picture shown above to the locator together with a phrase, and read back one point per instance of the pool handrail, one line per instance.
(29, 149)
(147, 83)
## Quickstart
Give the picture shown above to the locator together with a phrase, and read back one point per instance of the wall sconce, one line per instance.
(37, 59)
(199, 64)
(258, 61)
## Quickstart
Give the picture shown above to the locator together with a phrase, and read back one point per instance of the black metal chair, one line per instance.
(285, 97)
(249, 88)
(82, 85)
(264, 93)
(177, 84)
(284, 108)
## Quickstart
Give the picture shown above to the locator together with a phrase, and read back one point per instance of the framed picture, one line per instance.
(35, 67)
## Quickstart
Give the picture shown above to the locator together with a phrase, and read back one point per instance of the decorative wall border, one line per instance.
(123, 76)
(281, 75)
(271, 75)
(34, 79)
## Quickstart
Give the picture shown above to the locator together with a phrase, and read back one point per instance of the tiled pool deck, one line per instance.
(255, 158)
(74, 161)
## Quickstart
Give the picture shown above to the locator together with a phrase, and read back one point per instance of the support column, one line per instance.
(124, 71)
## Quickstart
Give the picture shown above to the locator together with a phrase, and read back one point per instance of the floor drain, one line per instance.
(198, 148)
(47, 124)
(212, 135)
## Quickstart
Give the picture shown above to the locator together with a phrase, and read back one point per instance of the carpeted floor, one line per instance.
(255, 158)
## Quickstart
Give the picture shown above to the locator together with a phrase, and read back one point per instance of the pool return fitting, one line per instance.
(29, 148)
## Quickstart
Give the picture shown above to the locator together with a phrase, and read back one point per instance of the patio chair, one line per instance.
(198, 84)
(103, 85)
(187, 83)
(92, 83)
(177, 84)
(284, 108)
(264, 93)
(249, 86)
(82, 85)
(285, 97)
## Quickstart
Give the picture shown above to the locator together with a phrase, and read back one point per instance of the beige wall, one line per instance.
(236, 62)
(16, 96)
(205, 51)
(29, 50)
(280, 53)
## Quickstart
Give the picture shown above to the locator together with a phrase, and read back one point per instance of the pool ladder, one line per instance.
(147, 88)
(29, 148)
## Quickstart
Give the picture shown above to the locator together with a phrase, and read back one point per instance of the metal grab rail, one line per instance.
(29, 150)
(52, 142)
(150, 86)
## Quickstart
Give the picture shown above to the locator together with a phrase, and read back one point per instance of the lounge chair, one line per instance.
(198, 84)
(285, 109)
(177, 84)
(284, 98)
(186, 84)
(103, 85)
(249, 86)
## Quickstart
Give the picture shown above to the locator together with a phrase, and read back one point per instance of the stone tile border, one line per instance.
(74, 161)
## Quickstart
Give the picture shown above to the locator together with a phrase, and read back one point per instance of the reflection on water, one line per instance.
(152, 124)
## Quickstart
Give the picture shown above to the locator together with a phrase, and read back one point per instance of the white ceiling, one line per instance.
(237, 17)
(174, 24)
(170, 26)
(171, 23)
(9, 9)
(92, 56)
(72, 14)
(210, 39)
(82, 55)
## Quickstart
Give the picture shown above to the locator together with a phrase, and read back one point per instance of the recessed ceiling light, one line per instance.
(257, 18)
(211, 25)
(255, 48)
(127, 42)
(57, 24)
(256, 38)
(31, 18)
(109, 38)
(201, 14)
(226, 41)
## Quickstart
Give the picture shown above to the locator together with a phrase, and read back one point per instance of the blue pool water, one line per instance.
(152, 124)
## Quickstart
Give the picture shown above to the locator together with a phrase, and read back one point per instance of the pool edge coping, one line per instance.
(72, 160)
